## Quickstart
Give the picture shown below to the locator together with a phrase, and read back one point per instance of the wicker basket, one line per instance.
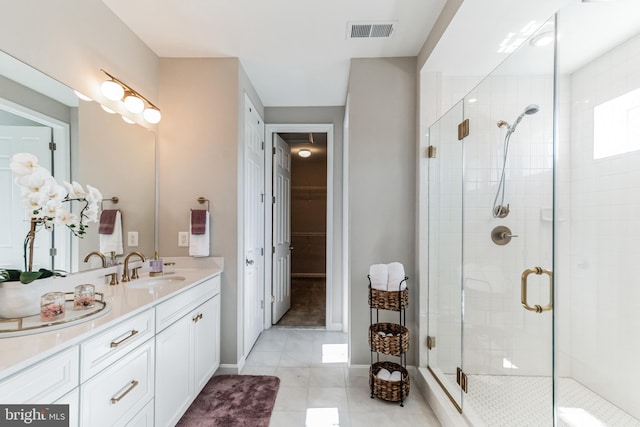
(393, 391)
(389, 300)
(391, 345)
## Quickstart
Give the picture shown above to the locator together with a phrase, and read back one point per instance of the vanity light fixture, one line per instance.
(304, 153)
(107, 109)
(82, 96)
(115, 90)
(127, 120)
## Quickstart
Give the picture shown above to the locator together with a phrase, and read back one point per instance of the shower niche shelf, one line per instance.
(388, 339)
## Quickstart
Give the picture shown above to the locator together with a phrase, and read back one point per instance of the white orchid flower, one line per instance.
(38, 181)
(75, 190)
(23, 163)
(94, 196)
(64, 217)
(91, 213)
(57, 193)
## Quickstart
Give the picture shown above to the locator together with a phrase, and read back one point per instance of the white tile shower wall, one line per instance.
(500, 336)
(605, 230)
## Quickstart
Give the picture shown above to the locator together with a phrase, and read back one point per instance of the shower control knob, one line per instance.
(501, 235)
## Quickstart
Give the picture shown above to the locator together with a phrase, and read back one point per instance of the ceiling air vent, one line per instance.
(367, 30)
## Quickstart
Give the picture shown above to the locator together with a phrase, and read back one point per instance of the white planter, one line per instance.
(19, 300)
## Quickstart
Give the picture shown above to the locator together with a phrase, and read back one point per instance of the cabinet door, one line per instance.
(73, 400)
(206, 352)
(174, 372)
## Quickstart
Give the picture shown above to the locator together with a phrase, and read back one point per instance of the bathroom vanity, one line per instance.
(140, 364)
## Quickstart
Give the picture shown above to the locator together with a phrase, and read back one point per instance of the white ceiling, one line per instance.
(295, 52)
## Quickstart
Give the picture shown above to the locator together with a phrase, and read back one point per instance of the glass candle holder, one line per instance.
(52, 306)
(84, 297)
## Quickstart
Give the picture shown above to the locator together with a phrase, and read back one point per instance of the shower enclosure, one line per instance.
(533, 314)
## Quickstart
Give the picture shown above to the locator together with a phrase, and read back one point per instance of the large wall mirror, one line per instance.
(92, 147)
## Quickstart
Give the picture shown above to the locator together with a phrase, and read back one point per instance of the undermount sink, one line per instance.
(149, 282)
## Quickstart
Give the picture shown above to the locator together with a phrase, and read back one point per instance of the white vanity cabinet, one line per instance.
(187, 348)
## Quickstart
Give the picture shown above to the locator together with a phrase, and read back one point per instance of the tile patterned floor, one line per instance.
(317, 388)
(495, 398)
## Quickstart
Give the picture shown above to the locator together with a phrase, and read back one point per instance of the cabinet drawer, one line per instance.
(44, 382)
(99, 352)
(118, 393)
(143, 418)
(173, 309)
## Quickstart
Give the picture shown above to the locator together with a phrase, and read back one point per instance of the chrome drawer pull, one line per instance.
(197, 318)
(115, 400)
(117, 343)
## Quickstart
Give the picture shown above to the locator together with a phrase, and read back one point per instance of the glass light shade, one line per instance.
(107, 109)
(112, 90)
(152, 115)
(304, 153)
(128, 120)
(134, 104)
(82, 96)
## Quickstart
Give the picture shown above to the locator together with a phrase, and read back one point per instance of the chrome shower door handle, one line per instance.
(248, 261)
(523, 289)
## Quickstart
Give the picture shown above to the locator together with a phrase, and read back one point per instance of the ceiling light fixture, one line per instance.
(114, 90)
(304, 153)
(541, 39)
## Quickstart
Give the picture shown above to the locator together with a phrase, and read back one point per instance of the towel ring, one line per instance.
(113, 200)
(202, 200)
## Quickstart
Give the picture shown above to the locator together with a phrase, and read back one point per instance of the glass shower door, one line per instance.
(445, 253)
(508, 242)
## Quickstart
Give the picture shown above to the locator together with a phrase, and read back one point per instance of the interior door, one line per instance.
(281, 288)
(19, 139)
(253, 226)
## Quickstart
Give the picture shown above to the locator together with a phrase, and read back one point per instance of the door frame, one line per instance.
(271, 129)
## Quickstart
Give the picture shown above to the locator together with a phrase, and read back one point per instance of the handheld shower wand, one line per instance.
(499, 209)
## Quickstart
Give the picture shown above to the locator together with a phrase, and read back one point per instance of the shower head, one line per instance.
(529, 110)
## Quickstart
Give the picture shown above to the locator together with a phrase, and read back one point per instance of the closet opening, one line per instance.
(307, 221)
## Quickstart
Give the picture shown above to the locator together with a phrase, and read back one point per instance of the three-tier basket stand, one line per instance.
(391, 339)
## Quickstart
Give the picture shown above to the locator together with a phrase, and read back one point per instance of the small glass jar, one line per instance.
(52, 306)
(84, 297)
(169, 267)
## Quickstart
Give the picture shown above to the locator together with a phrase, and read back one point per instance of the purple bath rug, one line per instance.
(233, 401)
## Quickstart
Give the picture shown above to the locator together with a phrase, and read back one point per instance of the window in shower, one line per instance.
(616, 126)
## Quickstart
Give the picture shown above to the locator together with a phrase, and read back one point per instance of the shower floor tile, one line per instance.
(526, 401)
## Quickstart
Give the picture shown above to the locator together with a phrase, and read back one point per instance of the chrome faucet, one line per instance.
(125, 273)
(98, 254)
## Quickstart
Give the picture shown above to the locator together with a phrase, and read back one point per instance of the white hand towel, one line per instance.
(395, 376)
(199, 243)
(382, 333)
(396, 277)
(113, 242)
(383, 374)
(379, 275)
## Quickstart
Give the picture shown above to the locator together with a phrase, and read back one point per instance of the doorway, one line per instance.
(308, 229)
(308, 272)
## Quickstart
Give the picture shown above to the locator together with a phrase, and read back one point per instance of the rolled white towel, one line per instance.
(396, 277)
(382, 333)
(383, 374)
(395, 376)
(379, 275)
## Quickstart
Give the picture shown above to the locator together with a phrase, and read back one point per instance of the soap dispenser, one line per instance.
(155, 266)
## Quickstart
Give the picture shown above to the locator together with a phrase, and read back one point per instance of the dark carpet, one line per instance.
(308, 303)
(233, 401)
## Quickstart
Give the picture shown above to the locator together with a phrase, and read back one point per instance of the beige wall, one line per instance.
(382, 186)
(198, 156)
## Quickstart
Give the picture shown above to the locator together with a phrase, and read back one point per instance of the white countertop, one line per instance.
(19, 352)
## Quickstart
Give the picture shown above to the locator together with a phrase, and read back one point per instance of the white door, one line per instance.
(21, 139)
(253, 226)
(281, 229)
